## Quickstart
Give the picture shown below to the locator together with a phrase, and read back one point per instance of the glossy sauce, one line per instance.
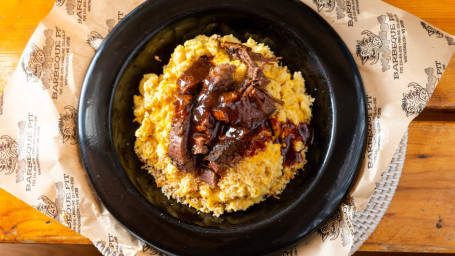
(288, 135)
(257, 143)
(190, 80)
(217, 123)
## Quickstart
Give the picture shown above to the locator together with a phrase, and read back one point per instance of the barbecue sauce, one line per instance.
(218, 122)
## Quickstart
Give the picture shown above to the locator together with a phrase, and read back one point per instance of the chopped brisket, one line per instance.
(219, 80)
(217, 121)
(219, 156)
(200, 144)
(191, 79)
(226, 151)
(227, 98)
(249, 111)
(224, 154)
(241, 52)
(208, 176)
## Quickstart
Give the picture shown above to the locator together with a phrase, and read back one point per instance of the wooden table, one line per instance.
(421, 216)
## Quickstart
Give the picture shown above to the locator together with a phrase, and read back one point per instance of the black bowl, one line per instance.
(106, 131)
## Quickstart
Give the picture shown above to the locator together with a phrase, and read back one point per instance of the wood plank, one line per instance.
(435, 12)
(421, 216)
(48, 250)
(19, 222)
(90, 250)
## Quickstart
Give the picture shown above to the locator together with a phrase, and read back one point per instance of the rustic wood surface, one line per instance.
(421, 217)
(87, 250)
(19, 222)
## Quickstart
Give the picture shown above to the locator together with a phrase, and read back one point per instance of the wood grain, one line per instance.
(49, 250)
(19, 222)
(89, 250)
(421, 216)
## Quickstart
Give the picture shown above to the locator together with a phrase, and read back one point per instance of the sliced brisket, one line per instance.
(178, 137)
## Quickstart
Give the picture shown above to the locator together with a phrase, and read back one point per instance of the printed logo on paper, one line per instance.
(431, 80)
(60, 64)
(47, 207)
(432, 31)
(105, 249)
(336, 225)
(369, 48)
(434, 73)
(111, 247)
(65, 207)
(67, 125)
(68, 200)
(59, 2)
(77, 8)
(345, 9)
(51, 208)
(327, 5)
(33, 63)
(95, 39)
(348, 208)
(414, 101)
(387, 46)
(37, 62)
(49, 65)
(111, 23)
(28, 144)
(331, 228)
(8, 155)
(70, 5)
(450, 40)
